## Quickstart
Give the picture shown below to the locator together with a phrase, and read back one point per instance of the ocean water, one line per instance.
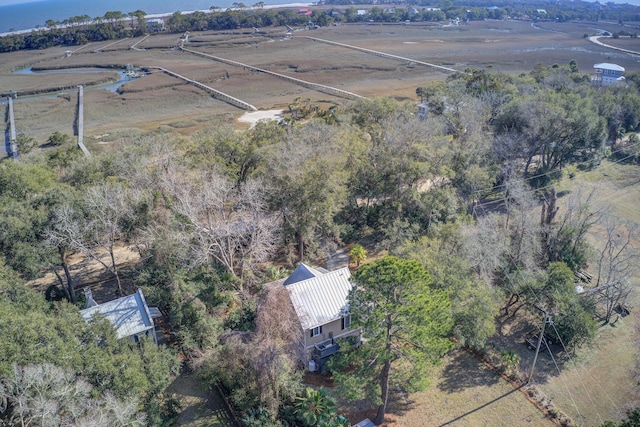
(31, 14)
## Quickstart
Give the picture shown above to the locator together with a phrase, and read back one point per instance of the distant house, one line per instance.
(607, 74)
(130, 315)
(361, 12)
(320, 299)
(155, 25)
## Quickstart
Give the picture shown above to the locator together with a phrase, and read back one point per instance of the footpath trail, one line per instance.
(337, 259)
(596, 40)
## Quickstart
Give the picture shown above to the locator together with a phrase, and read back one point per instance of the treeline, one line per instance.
(115, 25)
(488, 9)
(79, 30)
(463, 198)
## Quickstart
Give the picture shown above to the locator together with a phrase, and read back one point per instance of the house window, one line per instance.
(316, 331)
(346, 321)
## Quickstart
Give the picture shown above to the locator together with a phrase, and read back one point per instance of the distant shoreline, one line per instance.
(166, 15)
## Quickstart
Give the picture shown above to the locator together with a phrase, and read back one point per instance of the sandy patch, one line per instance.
(254, 117)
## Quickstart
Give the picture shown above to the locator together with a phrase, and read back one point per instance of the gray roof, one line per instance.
(365, 423)
(608, 66)
(321, 299)
(129, 315)
(302, 272)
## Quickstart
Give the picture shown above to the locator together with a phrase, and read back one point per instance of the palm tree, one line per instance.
(51, 24)
(114, 17)
(358, 254)
(315, 408)
(137, 17)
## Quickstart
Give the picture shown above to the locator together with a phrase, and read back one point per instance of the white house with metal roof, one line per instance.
(320, 299)
(130, 315)
(607, 74)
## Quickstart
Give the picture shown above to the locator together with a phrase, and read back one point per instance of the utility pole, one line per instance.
(547, 319)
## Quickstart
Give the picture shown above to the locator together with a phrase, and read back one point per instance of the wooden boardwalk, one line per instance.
(309, 85)
(214, 92)
(12, 130)
(382, 54)
(80, 123)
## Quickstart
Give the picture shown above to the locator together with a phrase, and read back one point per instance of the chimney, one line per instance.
(90, 302)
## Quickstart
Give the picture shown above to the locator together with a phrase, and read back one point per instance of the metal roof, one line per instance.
(302, 272)
(321, 299)
(365, 423)
(608, 66)
(129, 315)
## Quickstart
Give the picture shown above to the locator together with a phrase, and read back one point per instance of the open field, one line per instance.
(158, 101)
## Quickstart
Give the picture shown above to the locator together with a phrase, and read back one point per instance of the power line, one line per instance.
(585, 162)
(541, 339)
(565, 383)
(533, 191)
(589, 373)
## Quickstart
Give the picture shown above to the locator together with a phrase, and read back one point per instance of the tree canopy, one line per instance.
(406, 325)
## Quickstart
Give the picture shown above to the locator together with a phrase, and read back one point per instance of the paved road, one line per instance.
(596, 40)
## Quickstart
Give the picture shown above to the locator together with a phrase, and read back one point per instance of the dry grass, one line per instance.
(600, 383)
(464, 392)
(623, 43)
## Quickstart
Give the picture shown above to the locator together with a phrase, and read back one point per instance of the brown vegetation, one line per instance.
(154, 101)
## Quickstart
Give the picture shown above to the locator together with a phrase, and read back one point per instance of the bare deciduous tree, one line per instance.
(564, 235)
(260, 365)
(63, 230)
(96, 228)
(617, 262)
(276, 320)
(505, 249)
(224, 223)
(49, 396)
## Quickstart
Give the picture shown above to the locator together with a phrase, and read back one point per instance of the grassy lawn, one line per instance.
(600, 382)
(464, 392)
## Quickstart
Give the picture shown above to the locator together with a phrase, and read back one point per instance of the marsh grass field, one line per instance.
(599, 383)
(157, 100)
